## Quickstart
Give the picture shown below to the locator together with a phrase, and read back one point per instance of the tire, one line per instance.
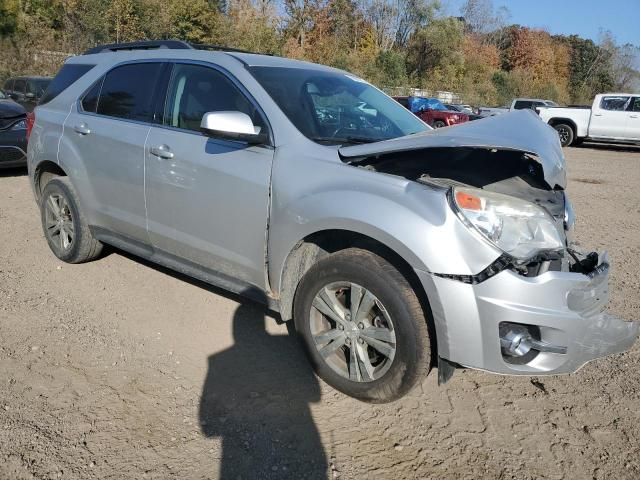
(396, 319)
(566, 134)
(439, 124)
(62, 219)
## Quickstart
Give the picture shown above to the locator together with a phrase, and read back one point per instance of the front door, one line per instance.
(207, 198)
(609, 118)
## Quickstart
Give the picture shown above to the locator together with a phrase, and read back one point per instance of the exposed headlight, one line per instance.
(517, 227)
(21, 125)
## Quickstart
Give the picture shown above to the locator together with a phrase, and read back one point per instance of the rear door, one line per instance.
(108, 131)
(609, 117)
(208, 198)
(633, 120)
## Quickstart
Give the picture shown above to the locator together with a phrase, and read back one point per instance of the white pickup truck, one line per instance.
(516, 104)
(613, 117)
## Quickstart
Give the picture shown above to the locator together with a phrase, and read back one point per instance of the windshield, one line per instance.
(335, 108)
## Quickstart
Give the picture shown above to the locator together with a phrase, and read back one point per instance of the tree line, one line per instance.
(392, 43)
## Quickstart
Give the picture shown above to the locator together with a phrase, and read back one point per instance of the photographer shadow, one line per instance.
(256, 398)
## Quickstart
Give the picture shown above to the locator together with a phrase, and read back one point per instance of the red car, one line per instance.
(432, 111)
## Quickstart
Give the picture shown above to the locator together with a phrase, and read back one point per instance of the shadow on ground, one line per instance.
(614, 147)
(256, 398)
(257, 395)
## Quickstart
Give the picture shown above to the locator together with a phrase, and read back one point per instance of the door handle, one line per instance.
(633, 116)
(597, 114)
(82, 129)
(162, 151)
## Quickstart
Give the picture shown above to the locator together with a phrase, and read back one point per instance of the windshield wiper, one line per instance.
(343, 140)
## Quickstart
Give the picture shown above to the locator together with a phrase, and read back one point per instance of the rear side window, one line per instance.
(8, 85)
(127, 92)
(614, 103)
(67, 75)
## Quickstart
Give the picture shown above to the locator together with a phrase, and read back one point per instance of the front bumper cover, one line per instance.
(567, 308)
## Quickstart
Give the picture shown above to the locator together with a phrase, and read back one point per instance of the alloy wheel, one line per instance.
(59, 221)
(352, 331)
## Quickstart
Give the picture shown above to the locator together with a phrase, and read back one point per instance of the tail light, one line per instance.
(31, 119)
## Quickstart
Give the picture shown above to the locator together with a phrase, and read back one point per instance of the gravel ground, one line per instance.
(120, 369)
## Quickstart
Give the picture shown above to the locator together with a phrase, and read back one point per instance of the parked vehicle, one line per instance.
(613, 117)
(13, 133)
(460, 109)
(26, 90)
(432, 111)
(392, 247)
(517, 104)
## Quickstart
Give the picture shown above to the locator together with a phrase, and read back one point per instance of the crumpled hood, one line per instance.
(10, 109)
(520, 130)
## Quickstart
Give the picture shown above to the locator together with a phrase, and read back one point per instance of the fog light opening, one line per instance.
(520, 343)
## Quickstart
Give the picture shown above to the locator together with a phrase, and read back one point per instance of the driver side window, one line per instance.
(195, 90)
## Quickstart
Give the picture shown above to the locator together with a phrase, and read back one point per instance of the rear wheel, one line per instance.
(363, 326)
(566, 134)
(64, 226)
(439, 124)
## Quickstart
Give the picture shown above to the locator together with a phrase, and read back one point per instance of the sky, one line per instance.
(585, 18)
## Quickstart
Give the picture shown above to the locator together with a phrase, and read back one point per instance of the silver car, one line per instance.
(392, 247)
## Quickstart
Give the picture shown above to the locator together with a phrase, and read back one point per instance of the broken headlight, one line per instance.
(517, 227)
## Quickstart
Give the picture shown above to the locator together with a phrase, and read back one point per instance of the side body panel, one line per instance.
(633, 121)
(113, 156)
(607, 123)
(579, 116)
(209, 203)
(312, 193)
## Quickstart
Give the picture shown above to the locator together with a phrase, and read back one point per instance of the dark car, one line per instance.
(459, 109)
(26, 90)
(432, 111)
(13, 133)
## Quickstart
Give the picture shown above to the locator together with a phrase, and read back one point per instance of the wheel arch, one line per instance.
(560, 120)
(43, 173)
(322, 243)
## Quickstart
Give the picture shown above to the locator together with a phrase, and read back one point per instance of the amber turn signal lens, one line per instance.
(467, 201)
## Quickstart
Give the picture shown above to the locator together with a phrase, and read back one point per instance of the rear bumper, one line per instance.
(566, 307)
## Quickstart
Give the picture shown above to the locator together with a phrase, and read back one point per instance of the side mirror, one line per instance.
(233, 126)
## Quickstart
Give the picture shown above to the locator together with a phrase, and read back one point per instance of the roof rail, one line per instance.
(160, 44)
(221, 48)
(144, 45)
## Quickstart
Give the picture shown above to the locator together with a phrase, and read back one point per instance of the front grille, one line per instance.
(11, 154)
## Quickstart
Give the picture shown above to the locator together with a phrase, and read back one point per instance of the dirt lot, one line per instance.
(119, 369)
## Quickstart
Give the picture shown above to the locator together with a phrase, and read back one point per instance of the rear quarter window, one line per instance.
(67, 76)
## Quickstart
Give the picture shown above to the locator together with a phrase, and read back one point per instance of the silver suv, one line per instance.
(394, 248)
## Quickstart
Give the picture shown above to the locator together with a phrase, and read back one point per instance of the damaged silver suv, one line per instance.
(393, 247)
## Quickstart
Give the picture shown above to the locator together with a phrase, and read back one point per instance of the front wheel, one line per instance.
(565, 132)
(439, 124)
(363, 326)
